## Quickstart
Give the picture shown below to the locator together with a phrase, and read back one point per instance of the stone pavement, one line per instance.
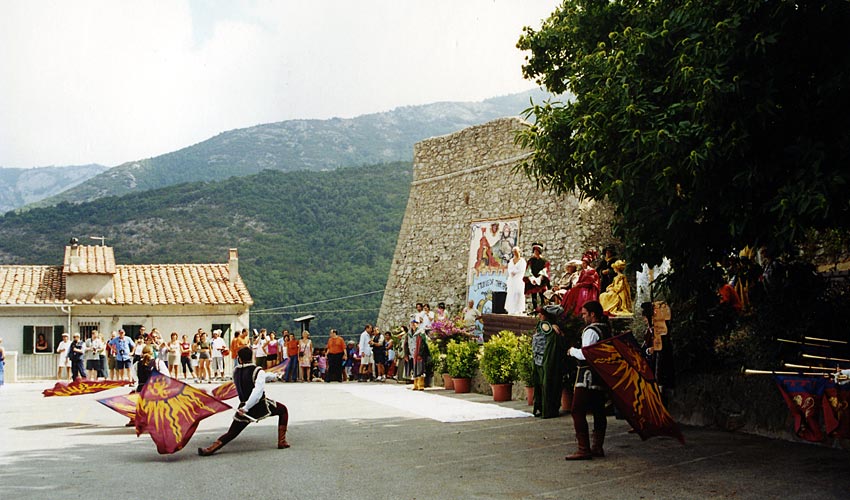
(374, 441)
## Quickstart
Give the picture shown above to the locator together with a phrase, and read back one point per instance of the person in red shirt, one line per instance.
(336, 356)
(291, 373)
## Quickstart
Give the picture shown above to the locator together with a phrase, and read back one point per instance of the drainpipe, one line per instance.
(68, 312)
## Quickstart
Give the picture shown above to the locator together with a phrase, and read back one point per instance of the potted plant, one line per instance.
(461, 361)
(498, 364)
(525, 366)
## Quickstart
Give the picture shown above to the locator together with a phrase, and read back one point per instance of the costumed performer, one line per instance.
(417, 354)
(585, 289)
(590, 390)
(515, 299)
(536, 275)
(250, 381)
(548, 347)
(617, 298)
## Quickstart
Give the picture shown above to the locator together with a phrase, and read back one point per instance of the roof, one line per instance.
(93, 259)
(156, 284)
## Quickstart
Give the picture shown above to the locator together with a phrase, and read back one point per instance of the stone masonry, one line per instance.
(468, 176)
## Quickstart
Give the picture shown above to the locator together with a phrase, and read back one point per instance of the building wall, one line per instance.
(469, 176)
(182, 319)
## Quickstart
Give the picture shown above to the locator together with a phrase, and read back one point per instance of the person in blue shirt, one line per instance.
(123, 347)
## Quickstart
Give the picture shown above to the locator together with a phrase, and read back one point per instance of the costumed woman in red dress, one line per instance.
(586, 288)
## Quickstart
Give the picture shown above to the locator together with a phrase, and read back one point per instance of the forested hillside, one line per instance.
(302, 236)
(300, 145)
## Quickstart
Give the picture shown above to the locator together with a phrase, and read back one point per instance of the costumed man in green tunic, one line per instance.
(549, 352)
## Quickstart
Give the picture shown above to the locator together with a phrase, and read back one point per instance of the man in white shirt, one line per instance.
(217, 346)
(63, 366)
(250, 381)
(365, 354)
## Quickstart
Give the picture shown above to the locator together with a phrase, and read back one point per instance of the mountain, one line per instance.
(299, 145)
(302, 236)
(21, 186)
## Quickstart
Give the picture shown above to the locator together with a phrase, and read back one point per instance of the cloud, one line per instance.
(114, 81)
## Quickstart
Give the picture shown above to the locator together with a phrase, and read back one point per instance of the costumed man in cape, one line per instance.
(250, 381)
(548, 347)
(590, 390)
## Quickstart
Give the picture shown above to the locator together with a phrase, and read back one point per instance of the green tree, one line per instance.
(708, 125)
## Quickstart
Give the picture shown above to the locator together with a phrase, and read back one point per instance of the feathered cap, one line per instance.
(538, 246)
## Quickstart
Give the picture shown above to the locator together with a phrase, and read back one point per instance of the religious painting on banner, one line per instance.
(490, 246)
(803, 396)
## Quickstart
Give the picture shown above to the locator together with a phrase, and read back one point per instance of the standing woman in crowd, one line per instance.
(305, 355)
(336, 356)
(186, 357)
(174, 353)
(388, 341)
(379, 354)
(203, 350)
(271, 351)
(259, 346)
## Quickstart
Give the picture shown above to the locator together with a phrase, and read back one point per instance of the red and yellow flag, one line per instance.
(634, 391)
(170, 411)
(278, 368)
(124, 404)
(81, 386)
(225, 391)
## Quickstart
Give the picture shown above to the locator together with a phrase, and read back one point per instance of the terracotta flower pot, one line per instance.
(529, 394)
(447, 382)
(461, 385)
(502, 392)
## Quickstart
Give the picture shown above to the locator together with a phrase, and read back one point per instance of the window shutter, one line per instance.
(29, 340)
(58, 330)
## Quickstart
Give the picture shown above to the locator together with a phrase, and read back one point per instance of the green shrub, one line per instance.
(462, 359)
(523, 360)
(498, 361)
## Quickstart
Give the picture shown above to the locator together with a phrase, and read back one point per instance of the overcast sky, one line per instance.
(113, 81)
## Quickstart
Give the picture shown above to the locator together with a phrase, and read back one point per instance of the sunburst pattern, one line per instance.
(170, 411)
(79, 387)
(124, 404)
(633, 387)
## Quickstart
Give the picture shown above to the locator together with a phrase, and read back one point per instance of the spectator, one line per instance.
(2, 363)
(186, 357)
(203, 350)
(260, 345)
(391, 358)
(174, 354)
(336, 357)
(94, 348)
(348, 365)
(76, 353)
(379, 354)
(123, 347)
(322, 364)
(271, 351)
(305, 355)
(365, 350)
(63, 365)
(110, 355)
(217, 348)
(291, 373)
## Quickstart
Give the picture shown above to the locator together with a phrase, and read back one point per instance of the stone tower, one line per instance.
(471, 176)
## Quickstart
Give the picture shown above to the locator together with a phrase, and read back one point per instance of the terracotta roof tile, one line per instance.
(159, 284)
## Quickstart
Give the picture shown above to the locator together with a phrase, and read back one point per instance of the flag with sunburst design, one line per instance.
(170, 411)
(633, 388)
(225, 391)
(125, 404)
(81, 386)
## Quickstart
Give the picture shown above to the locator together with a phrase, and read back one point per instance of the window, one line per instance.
(225, 331)
(42, 339)
(87, 327)
(132, 331)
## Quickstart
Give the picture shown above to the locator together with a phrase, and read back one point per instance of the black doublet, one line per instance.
(244, 378)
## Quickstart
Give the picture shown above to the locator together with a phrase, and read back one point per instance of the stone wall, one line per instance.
(468, 176)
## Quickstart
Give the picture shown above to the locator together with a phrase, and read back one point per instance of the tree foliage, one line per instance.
(708, 125)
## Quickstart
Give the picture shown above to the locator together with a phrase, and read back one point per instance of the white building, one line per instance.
(91, 292)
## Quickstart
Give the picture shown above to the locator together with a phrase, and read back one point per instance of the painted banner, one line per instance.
(490, 245)
(803, 397)
(633, 389)
(225, 391)
(124, 404)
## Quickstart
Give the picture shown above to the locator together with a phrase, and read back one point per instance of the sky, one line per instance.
(114, 81)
